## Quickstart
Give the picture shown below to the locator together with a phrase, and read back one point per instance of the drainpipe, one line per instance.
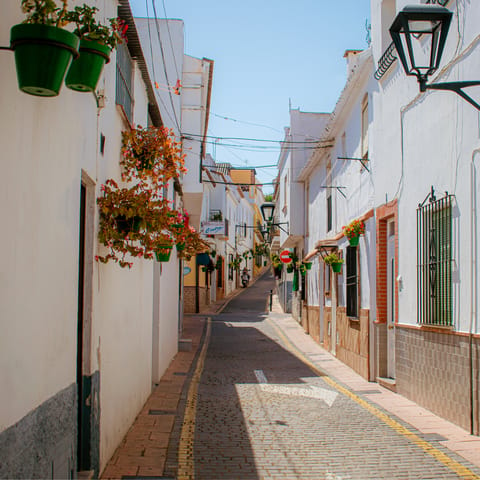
(474, 283)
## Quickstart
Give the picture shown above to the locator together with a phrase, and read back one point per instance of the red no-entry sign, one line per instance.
(285, 257)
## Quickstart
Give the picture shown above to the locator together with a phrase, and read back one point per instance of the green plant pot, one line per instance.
(85, 71)
(289, 268)
(163, 253)
(308, 265)
(353, 241)
(295, 281)
(180, 246)
(42, 56)
(336, 267)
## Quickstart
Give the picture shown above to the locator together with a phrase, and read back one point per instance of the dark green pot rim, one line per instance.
(28, 33)
(91, 46)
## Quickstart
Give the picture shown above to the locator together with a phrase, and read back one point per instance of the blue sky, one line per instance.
(267, 54)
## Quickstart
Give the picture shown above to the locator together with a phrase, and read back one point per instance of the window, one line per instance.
(124, 81)
(329, 210)
(365, 127)
(434, 262)
(352, 282)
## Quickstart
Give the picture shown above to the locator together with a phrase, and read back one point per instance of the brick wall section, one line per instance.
(433, 370)
(383, 214)
(352, 348)
(312, 318)
(189, 299)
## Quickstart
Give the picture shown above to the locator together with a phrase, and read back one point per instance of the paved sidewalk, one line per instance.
(144, 450)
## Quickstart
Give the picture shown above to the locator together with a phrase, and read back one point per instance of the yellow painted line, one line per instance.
(186, 461)
(459, 469)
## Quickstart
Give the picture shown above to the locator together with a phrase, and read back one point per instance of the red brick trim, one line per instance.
(383, 214)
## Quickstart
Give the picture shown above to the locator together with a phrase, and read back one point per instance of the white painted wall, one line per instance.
(424, 140)
(46, 143)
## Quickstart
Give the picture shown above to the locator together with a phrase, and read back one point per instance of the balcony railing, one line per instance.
(386, 61)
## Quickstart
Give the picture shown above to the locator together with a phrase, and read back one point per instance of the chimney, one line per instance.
(352, 60)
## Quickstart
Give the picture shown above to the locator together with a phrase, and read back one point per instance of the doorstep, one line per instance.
(389, 383)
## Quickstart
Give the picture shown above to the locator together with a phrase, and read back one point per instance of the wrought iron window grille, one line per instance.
(435, 260)
(351, 282)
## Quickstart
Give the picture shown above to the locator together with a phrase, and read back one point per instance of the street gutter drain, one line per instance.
(160, 412)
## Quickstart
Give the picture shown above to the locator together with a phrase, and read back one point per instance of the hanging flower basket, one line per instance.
(85, 71)
(308, 265)
(180, 246)
(162, 253)
(334, 261)
(289, 268)
(42, 56)
(126, 225)
(336, 267)
(353, 231)
(353, 241)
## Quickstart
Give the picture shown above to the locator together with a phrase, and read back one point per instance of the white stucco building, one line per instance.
(425, 160)
(77, 334)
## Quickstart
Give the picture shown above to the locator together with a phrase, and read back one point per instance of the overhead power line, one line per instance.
(287, 142)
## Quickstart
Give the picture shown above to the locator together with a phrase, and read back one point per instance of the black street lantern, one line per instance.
(419, 33)
(267, 211)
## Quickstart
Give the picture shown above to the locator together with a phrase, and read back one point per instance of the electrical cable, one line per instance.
(309, 142)
(246, 123)
(164, 65)
(170, 37)
(153, 63)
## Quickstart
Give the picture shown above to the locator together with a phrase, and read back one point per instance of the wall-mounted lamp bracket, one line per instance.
(456, 87)
(337, 188)
(361, 160)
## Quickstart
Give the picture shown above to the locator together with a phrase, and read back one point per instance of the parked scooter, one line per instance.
(245, 278)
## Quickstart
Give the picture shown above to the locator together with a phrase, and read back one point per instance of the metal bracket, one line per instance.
(456, 87)
(323, 249)
(337, 188)
(361, 160)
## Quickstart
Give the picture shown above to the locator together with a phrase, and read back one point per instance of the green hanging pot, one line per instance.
(353, 241)
(180, 246)
(42, 56)
(163, 252)
(85, 71)
(336, 267)
(295, 281)
(308, 265)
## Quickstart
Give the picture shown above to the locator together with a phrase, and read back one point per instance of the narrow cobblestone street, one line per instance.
(259, 403)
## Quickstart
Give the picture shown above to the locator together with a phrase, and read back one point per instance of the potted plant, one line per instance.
(151, 154)
(308, 265)
(277, 265)
(353, 231)
(96, 43)
(163, 245)
(43, 50)
(334, 261)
